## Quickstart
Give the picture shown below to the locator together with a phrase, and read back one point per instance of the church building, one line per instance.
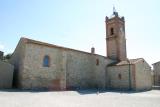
(39, 65)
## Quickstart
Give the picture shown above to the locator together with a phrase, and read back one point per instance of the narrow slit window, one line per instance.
(119, 76)
(112, 31)
(97, 62)
(46, 61)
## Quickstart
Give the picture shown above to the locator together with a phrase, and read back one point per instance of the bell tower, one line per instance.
(115, 37)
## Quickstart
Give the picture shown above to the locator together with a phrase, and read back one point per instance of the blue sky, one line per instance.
(79, 24)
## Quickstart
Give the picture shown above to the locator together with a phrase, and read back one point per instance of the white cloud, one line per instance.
(1, 47)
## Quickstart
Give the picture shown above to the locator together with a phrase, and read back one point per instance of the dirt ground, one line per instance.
(83, 98)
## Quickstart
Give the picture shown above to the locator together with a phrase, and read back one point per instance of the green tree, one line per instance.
(7, 57)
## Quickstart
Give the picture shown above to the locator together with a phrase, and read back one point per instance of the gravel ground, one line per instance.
(84, 98)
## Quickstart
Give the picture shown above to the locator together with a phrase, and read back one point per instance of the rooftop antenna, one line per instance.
(114, 9)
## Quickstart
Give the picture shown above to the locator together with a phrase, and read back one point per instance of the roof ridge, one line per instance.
(27, 40)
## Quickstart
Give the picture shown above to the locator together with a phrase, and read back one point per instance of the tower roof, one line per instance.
(114, 15)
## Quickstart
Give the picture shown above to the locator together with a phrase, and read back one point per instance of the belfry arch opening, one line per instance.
(112, 31)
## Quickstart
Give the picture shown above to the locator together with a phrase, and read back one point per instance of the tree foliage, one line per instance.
(7, 57)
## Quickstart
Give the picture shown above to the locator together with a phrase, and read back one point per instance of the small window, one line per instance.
(119, 76)
(97, 61)
(46, 61)
(112, 31)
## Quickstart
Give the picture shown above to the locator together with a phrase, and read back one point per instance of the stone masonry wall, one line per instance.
(85, 70)
(36, 76)
(68, 69)
(143, 76)
(119, 77)
(156, 68)
(17, 60)
(112, 48)
(6, 75)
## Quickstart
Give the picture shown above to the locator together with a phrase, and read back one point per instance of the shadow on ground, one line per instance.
(22, 90)
(80, 91)
(96, 91)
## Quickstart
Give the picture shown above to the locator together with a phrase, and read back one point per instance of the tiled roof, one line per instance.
(27, 40)
(126, 62)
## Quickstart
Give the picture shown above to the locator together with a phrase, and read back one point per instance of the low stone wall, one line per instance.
(6, 75)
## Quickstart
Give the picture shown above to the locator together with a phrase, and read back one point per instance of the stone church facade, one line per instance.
(39, 65)
(67, 68)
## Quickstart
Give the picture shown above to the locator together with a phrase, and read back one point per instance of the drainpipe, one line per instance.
(129, 74)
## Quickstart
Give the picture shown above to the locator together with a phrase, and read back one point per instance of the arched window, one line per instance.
(112, 31)
(46, 61)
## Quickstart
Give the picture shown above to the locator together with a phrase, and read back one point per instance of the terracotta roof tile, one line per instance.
(126, 62)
